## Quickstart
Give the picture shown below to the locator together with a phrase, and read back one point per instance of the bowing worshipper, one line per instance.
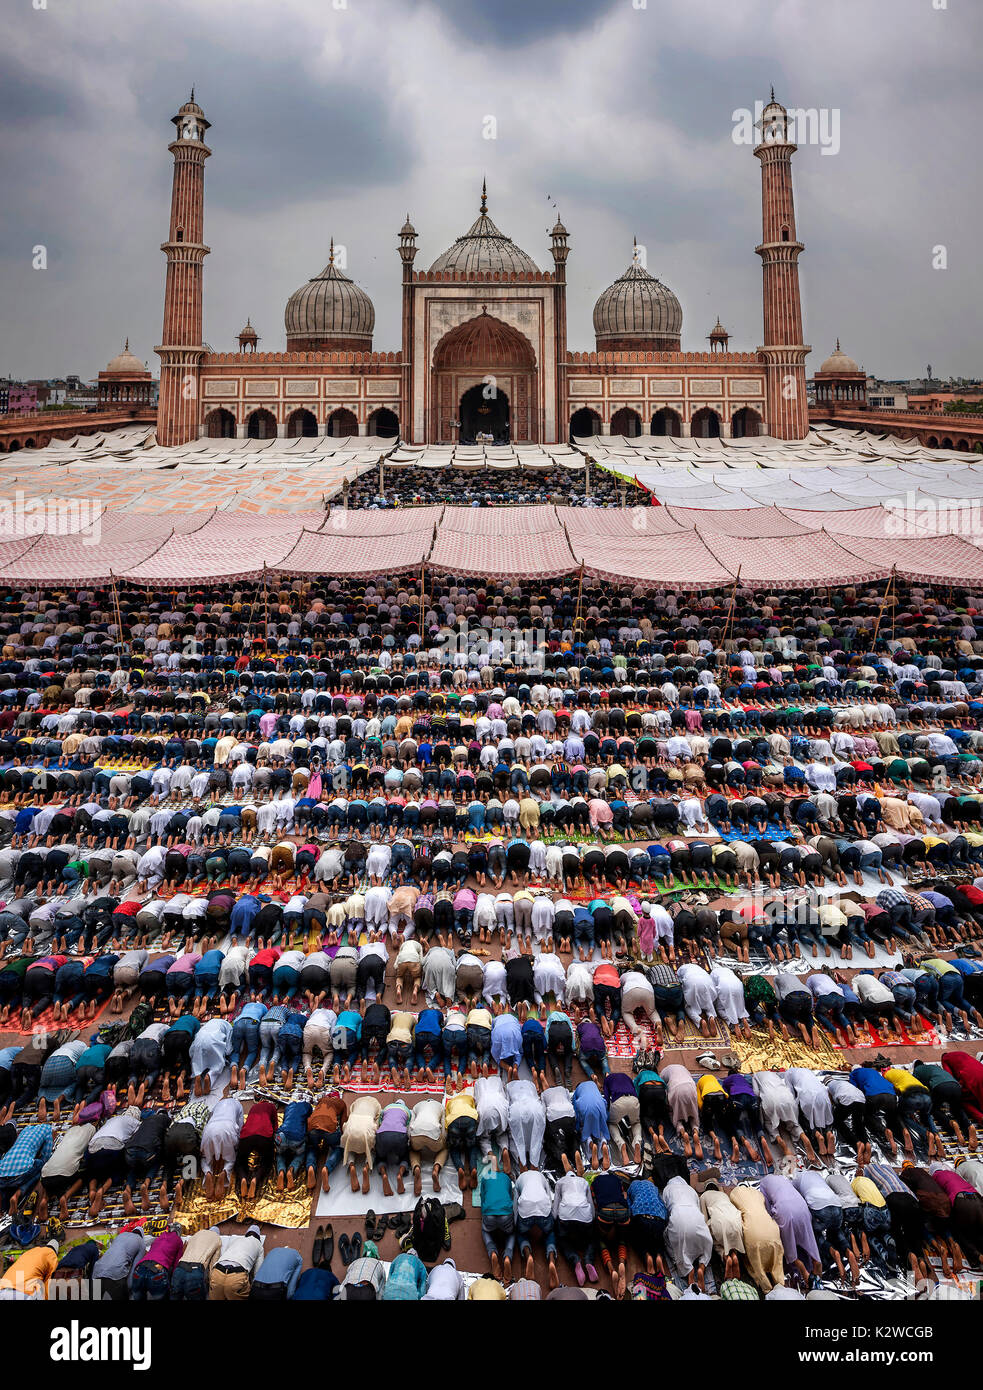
(561, 1146)
(688, 1238)
(723, 1219)
(969, 1073)
(826, 1208)
(358, 1138)
(527, 1124)
(763, 1246)
(947, 1101)
(815, 1108)
(700, 996)
(209, 1054)
(729, 1000)
(780, 1113)
(591, 1114)
(790, 1210)
(219, 1146)
(684, 1107)
(492, 1101)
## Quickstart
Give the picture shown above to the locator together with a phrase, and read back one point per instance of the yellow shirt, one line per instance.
(868, 1191)
(707, 1086)
(486, 1290)
(903, 1080)
(459, 1107)
(401, 1028)
(33, 1268)
(479, 1018)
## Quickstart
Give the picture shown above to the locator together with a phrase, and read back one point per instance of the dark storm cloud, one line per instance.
(336, 116)
(514, 23)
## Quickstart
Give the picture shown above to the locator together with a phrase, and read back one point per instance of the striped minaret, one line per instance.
(783, 348)
(181, 350)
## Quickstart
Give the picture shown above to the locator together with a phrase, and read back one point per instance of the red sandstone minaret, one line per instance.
(181, 349)
(783, 349)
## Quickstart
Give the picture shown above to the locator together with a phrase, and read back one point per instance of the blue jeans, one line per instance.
(330, 1143)
(595, 1064)
(498, 1225)
(525, 1225)
(245, 1034)
(290, 1155)
(150, 1280)
(189, 1283)
(455, 1040)
(269, 1034)
(421, 1042)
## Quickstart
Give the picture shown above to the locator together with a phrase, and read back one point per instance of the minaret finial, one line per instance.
(126, 346)
(484, 195)
(837, 345)
(192, 91)
(773, 91)
(331, 253)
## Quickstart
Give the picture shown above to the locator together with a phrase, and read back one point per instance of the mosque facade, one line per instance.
(484, 351)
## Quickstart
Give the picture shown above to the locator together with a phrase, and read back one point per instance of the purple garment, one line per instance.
(590, 1037)
(737, 1085)
(394, 1120)
(166, 1250)
(616, 1085)
(791, 1211)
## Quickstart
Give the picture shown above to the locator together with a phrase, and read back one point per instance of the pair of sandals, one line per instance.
(323, 1250)
(350, 1248)
(377, 1226)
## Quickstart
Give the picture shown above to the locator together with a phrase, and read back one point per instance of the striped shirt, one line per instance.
(885, 1178)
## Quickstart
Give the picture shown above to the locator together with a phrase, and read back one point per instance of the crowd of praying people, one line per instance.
(411, 485)
(299, 881)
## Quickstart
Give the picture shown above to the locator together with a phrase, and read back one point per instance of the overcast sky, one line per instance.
(335, 119)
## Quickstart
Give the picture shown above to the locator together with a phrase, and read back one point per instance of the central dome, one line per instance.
(484, 248)
(329, 313)
(638, 311)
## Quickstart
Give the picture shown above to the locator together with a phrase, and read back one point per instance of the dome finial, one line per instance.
(126, 345)
(634, 252)
(484, 196)
(837, 345)
(773, 91)
(331, 253)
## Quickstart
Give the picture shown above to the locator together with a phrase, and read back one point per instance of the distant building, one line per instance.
(935, 402)
(22, 398)
(886, 395)
(126, 381)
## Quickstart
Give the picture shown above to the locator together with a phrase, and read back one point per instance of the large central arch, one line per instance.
(484, 351)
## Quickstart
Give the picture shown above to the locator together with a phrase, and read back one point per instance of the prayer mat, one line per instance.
(622, 1045)
(292, 1210)
(868, 1036)
(47, 1023)
(766, 1054)
(196, 1212)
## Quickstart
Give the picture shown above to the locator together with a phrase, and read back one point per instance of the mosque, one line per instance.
(484, 350)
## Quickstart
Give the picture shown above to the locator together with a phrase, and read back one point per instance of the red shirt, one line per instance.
(268, 956)
(261, 1122)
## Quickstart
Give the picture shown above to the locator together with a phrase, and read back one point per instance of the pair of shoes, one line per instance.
(350, 1249)
(323, 1251)
(400, 1222)
(375, 1226)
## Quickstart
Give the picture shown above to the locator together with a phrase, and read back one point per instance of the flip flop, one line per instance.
(356, 1243)
(372, 1225)
(345, 1249)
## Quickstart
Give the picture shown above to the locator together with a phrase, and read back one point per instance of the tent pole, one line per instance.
(880, 615)
(730, 609)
